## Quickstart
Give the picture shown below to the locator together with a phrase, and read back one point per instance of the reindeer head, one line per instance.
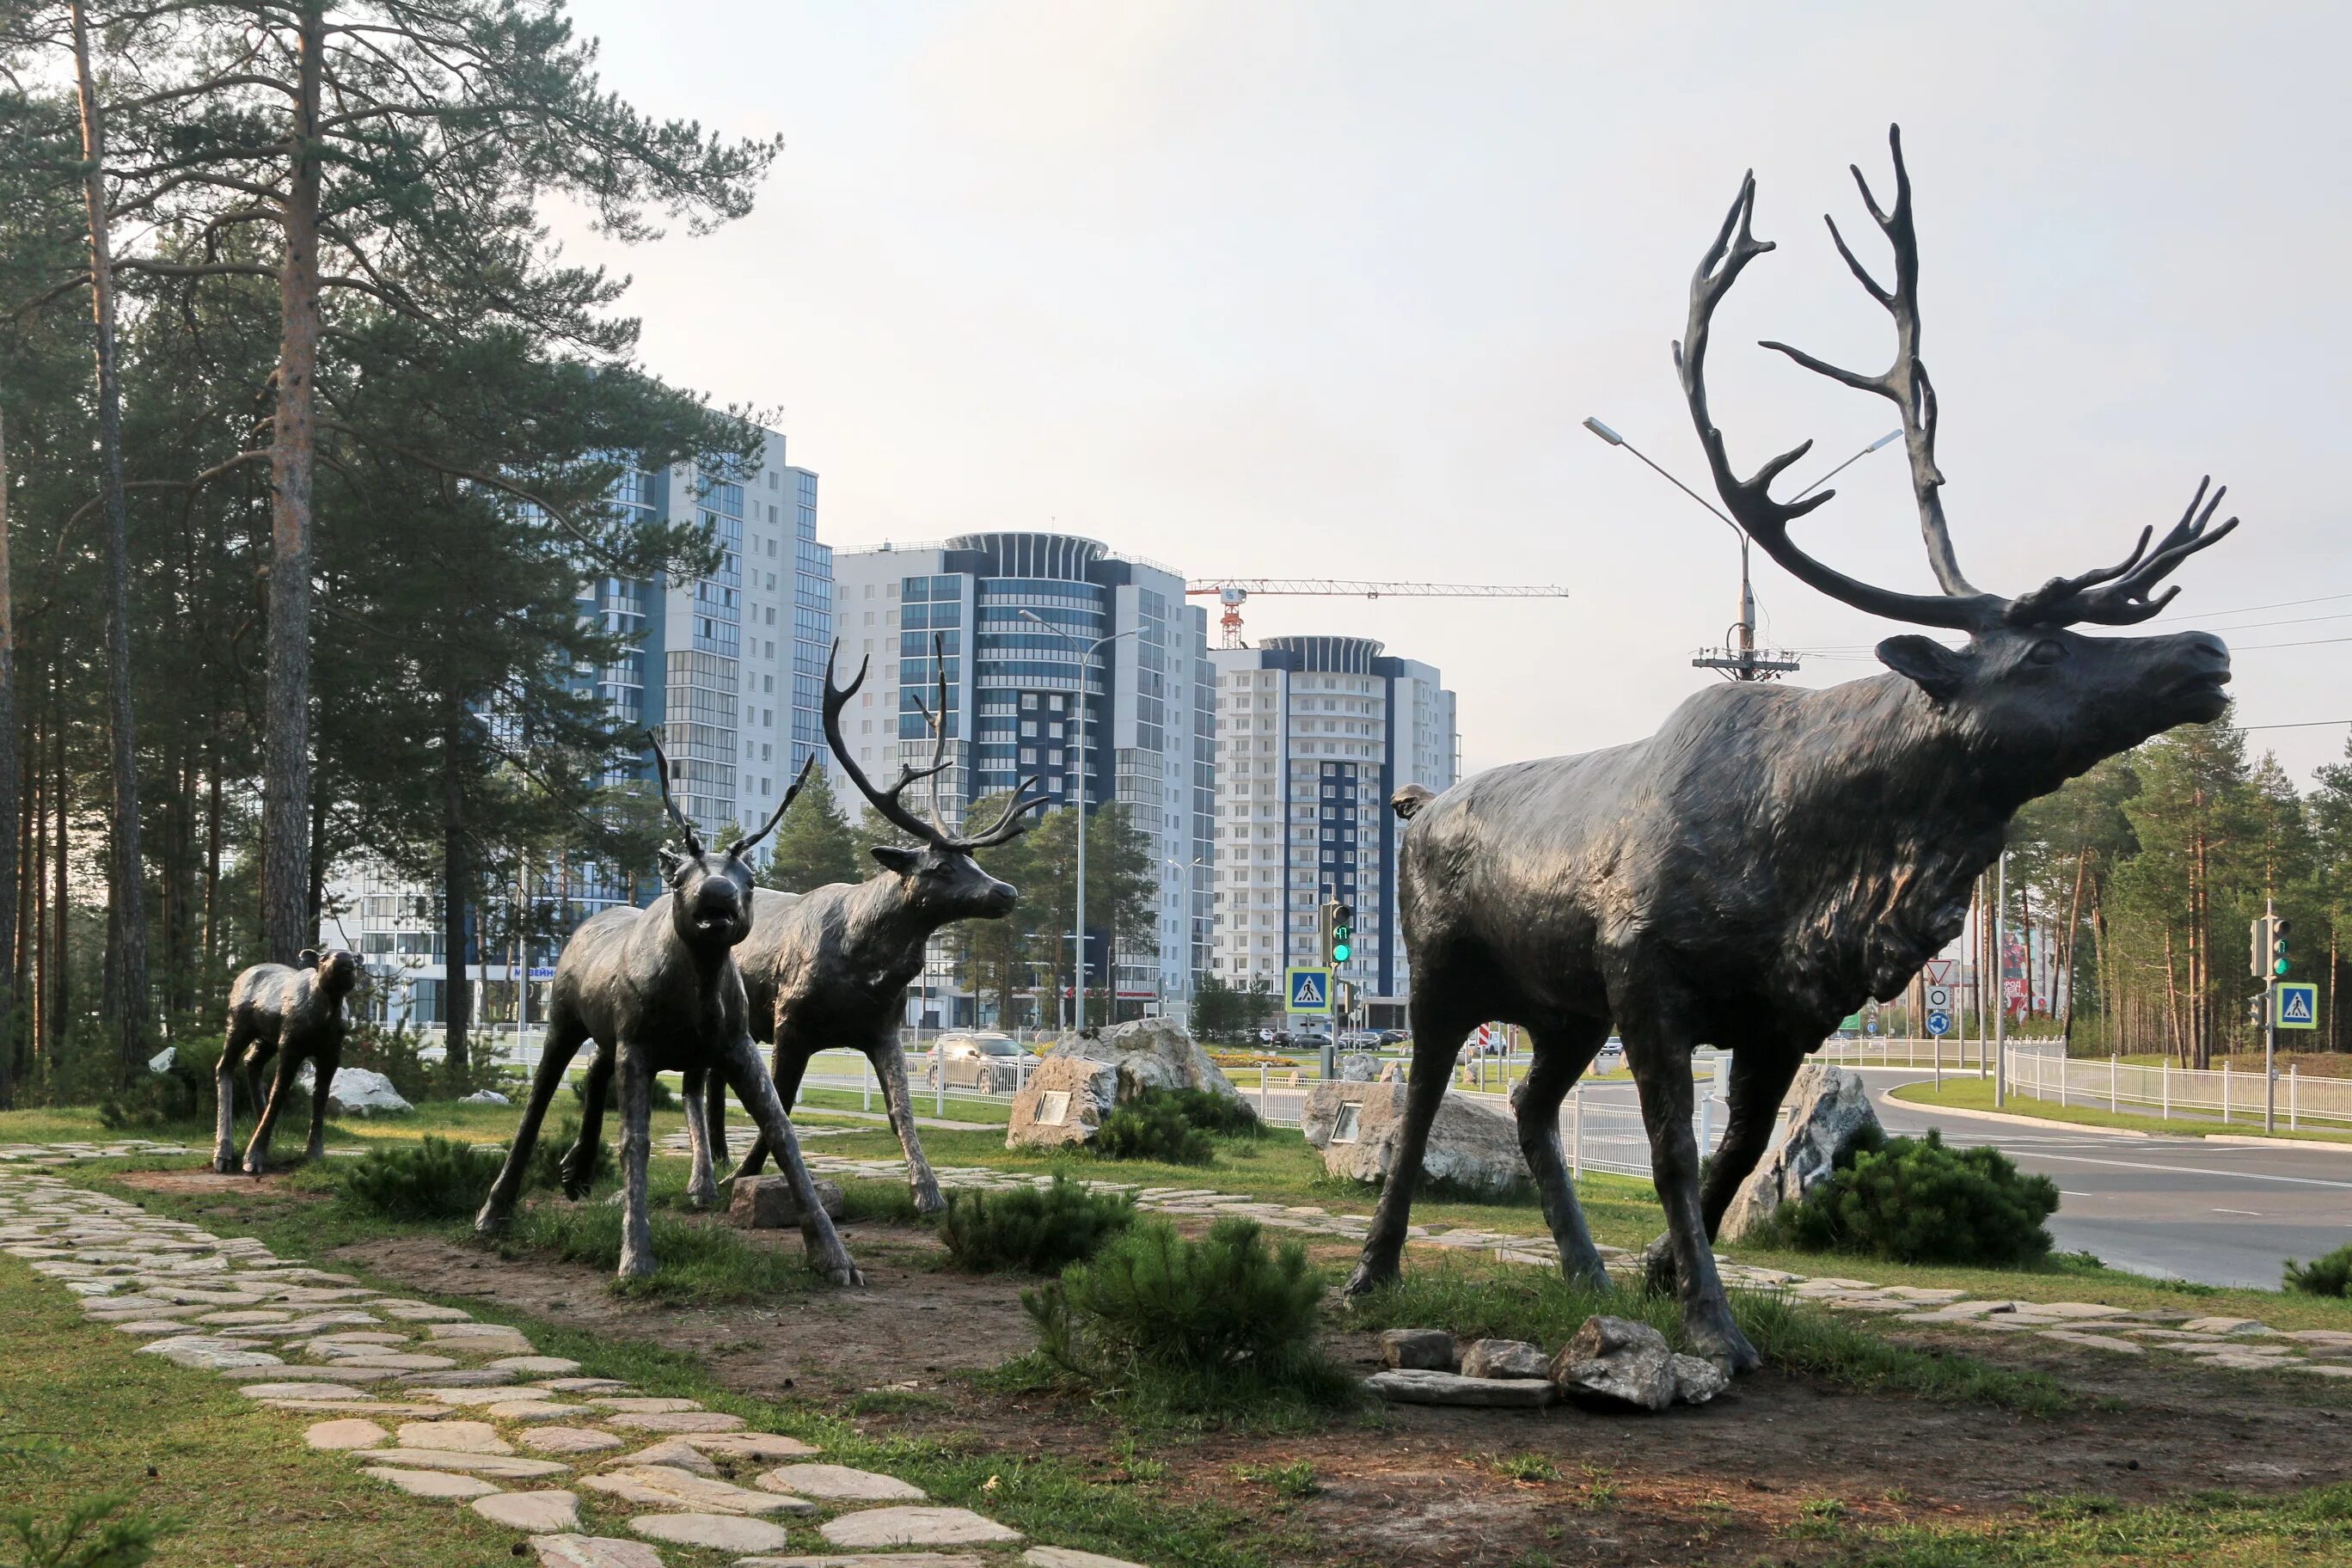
(339, 971)
(2048, 702)
(939, 879)
(710, 890)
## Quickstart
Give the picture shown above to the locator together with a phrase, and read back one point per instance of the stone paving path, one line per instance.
(2245, 1343)
(424, 1399)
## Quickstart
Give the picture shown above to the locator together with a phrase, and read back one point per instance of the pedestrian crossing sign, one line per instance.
(1309, 990)
(2298, 1004)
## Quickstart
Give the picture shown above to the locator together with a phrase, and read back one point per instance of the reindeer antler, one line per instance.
(889, 803)
(2117, 595)
(661, 766)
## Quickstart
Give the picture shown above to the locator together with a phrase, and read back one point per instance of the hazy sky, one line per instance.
(1277, 289)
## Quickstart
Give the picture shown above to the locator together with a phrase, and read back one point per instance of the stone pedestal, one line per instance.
(766, 1202)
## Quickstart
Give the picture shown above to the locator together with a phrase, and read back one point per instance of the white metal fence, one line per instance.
(2042, 1072)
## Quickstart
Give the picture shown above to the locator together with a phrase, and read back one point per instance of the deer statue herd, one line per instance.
(1745, 878)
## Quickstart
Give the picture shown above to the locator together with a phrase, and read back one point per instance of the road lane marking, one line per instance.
(2250, 1213)
(2196, 1171)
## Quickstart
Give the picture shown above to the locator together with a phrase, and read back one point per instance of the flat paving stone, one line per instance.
(457, 1377)
(530, 1364)
(914, 1527)
(533, 1512)
(594, 1552)
(455, 1436)
(676, 1452)
(496, 1394)
(378, 1408)
(422, 1312)
(712, 1531)
(392, 1360)
(665, 1486)
(644, 1403)
(876, 1560)
(431, 1483)
(345, 1434)
(343, 1392)
(838, 1483)
(582, 1384)
(567, 1440)
(532, 1409)
(760, 1446)
(676, 1421)
(505, 1466)
(1064, 1557)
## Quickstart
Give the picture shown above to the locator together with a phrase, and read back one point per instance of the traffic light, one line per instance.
(2259, 944)
(2278, 947)
(1339, 931)
(2257, 1011)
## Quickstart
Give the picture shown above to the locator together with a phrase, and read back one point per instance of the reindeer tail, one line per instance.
(1408, 801)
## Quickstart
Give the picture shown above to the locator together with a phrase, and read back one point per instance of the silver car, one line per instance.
(981, 1059)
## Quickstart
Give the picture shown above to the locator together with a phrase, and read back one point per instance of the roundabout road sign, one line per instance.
(1940, 1025)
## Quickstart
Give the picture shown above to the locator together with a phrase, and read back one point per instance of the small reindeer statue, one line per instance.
(1748, 875)
(658, 991)
(831, 967)
(296, 1014)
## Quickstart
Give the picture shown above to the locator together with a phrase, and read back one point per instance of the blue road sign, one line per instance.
(1940, 1025)
(1308, 990)
(2298, 1004)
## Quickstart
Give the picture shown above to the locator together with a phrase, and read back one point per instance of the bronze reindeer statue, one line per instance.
(296, 1014)
(831, 967)
(1771, 857)
(658, 991)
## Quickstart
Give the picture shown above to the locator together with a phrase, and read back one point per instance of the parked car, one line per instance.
(1395, 1036)
(981, 1059)
(1361, 1040)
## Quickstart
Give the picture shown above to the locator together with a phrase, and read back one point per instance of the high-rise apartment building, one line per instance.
(1012, 710)
(1314, 735)
(728, 669)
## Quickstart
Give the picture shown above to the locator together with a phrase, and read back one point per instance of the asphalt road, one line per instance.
(2185, 1208)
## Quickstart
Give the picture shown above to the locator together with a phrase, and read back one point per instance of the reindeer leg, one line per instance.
(1436, 1040)
(753, 1088)
(1659, 1049)
(225, 1077)
(788, 1063)
(1562, 1052)
(577, 1169)
(328, 1063)
(562, 1043)
(714, 1118)
(890, 1066)
(636, 1075)
(1760, 1071)
(702, 1191)
(257, 1153)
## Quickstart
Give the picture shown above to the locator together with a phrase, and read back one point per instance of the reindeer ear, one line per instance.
(307, 959)
(895, 858)
(1938, 670)
(671, 860)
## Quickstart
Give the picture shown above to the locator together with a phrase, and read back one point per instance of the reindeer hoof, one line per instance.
(1717, 1339)
(225, 1164)
(257, 1167)
(847, 1274)
(929, 1204)
(1367, 1279)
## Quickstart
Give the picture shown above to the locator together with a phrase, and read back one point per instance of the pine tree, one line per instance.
(815, 845)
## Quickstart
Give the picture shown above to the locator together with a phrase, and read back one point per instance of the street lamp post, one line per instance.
(1742, 662)
(1086, 652)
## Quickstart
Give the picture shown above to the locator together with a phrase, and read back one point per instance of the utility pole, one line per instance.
(1999, 987)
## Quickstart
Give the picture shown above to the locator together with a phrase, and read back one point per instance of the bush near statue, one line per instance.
(1772, 856)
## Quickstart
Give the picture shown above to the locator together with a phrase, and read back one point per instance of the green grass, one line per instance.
(189, 1449)
(696, 1263)
(1051, 1498)
(1972, 1093)
(2208, 1530)
(1486, 1301)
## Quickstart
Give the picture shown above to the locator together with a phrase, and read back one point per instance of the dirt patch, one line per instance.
(206, 1184)
(911, 1325)
(1780, 1468)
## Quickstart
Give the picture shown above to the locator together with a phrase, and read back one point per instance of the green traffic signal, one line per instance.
(2278, 947)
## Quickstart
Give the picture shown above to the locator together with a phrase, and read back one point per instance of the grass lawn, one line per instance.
(2206, 1530)
(184, 1447)
(1972, 1093)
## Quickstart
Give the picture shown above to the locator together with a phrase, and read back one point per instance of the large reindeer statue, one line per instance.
(831, 967)
(1771, 857)
(658, 991)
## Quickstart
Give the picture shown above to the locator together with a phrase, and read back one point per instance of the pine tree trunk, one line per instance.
(61, 903)
(35, 939)
(456, 880)
(212, 856)
(11, 801)
(124, 993)
(286, 739)
(2066, 949)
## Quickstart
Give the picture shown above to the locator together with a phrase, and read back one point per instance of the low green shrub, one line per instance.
(1042, 1230)
(1221, 1323)
(660, 1096)
(431, 1179)
(182, 1092)
(1220, 1115)
(2327, 1276)
(1153, 1127)
(1918, 1201)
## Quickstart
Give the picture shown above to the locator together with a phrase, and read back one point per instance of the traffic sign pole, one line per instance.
(2270, 1056)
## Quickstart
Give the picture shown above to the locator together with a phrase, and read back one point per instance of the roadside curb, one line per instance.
(2229, 1139)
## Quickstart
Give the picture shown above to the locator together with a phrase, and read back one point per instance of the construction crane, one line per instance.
(1233, 592)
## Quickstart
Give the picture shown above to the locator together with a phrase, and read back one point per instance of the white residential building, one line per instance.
(1314, 735)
